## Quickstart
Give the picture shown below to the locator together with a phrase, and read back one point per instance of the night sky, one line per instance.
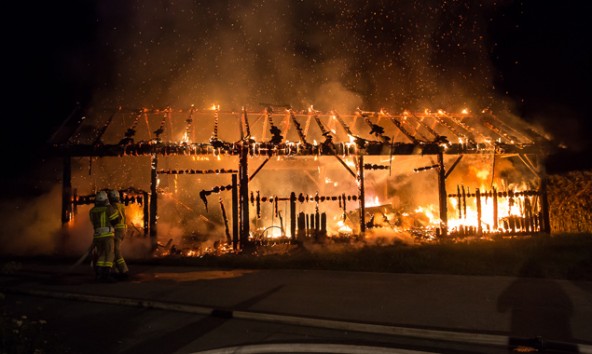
(531, 58)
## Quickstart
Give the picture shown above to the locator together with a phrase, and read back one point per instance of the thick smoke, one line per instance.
(407, 54)
(31, 226)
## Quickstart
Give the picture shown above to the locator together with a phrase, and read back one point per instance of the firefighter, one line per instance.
(120, 231)
(104, 217)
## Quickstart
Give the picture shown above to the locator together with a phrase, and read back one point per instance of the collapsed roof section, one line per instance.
(284, 131)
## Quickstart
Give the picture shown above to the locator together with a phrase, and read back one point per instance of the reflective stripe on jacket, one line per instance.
(101, 218)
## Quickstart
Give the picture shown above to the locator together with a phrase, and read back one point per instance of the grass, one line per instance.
(567, 256)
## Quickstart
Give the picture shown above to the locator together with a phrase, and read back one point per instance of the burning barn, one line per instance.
(216, 178)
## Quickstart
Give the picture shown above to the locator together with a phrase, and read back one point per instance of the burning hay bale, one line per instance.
(570, 202)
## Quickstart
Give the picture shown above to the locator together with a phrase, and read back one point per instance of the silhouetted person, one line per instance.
(540, 308)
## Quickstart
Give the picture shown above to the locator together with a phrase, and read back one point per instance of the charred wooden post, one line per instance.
(323, 225)
(67, 190)
(293, 216)
(546, 223)
(244, 195)
(442, 195)
(317, 228)
(282, 228)
(521, 223)
(478, 200)
(301, 226)
(225, 219)
(492, 170)
(362, 195)
(459, 202)
(235, 224)
(464, 201)
(495, 222)
(153, 201)
(258, 205)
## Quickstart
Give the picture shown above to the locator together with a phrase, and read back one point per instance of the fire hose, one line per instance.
(82, 258)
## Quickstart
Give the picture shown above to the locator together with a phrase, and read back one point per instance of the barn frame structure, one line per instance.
(128, 133)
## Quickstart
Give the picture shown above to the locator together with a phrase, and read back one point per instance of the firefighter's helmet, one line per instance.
(101, 197)
(113, 196)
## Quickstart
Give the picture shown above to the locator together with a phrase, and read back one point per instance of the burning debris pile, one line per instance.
(288, 176)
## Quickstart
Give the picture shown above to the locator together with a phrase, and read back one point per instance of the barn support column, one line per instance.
(244, 195)
(442, 195)
(545, 205)
(478, 200)
(495, 222)
(362, 195)
(293, 216)
(235, 228)
(67, 190)
(153, 200)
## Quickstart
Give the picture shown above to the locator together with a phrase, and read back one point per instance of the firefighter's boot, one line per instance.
(105, 275)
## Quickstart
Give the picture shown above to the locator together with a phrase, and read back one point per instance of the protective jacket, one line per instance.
(103, 218)
(121, 225)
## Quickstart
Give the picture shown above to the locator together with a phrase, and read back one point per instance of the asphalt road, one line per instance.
(188, 310)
